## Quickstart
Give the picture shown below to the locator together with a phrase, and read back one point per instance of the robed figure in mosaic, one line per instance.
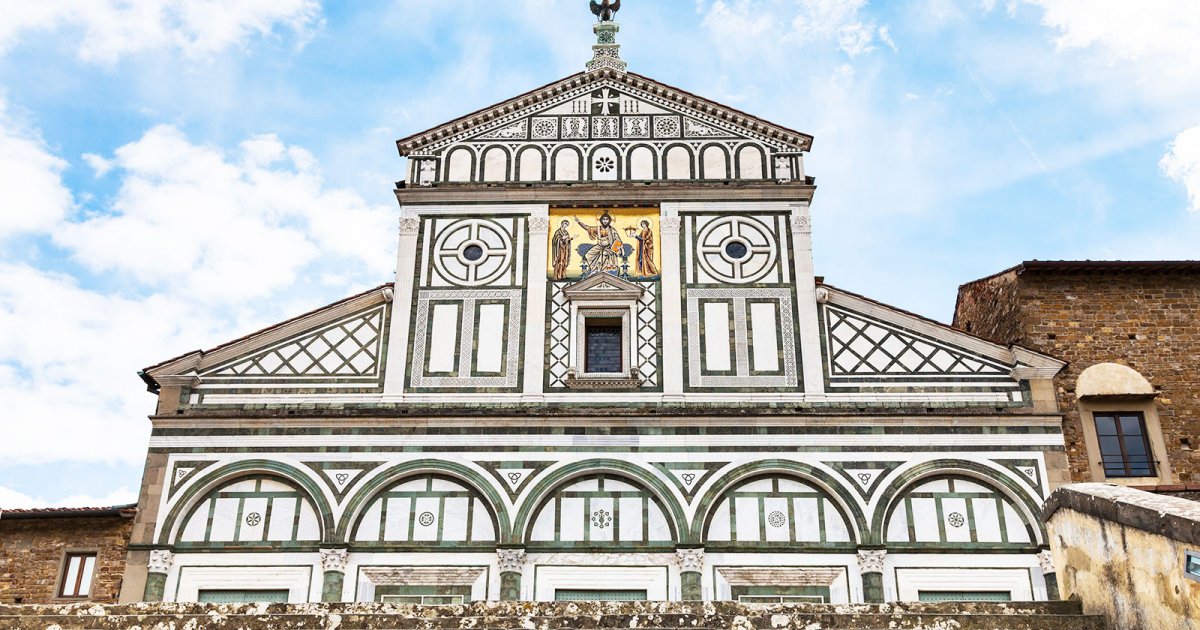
(603, 255)
(560, 250)
(645, 251)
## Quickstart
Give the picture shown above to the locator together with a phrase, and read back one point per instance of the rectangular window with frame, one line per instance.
(78, 569)
(604, 345)
(1124, 445)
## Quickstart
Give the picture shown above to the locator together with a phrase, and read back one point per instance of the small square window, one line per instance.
(1124, 445)
(77, 575)
(603, 346)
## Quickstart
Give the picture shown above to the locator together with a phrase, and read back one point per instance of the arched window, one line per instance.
(951, 510)
(252, 511)
(601, 511)
(429, 509)
(776, 510)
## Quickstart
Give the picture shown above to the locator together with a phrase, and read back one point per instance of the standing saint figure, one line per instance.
(560, 249)
(645, 251)
(603, 254)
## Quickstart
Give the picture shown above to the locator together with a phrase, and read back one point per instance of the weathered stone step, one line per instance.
(557, 616)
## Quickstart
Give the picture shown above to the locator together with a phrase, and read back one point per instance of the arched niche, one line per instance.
(495, 165)
(714, 162)
(642, 163)
(751, 162)
(251, 511)
(460, 165)
(601, 510)
(956, 510)
(605, 164)
(677, 163)
(567, 161)
(776, 510)
(426, 510)
(530, 162)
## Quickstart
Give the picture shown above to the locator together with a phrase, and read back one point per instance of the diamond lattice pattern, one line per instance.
(647, 333)
(348, 348)
(860, 347)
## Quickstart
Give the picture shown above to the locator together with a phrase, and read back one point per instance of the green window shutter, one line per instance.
(964, 596)
(242, 597)
(573, 595)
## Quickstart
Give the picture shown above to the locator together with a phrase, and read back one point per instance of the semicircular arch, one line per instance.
(825, 482)
(1028, 508)
(544, 490)
(212, 481)
(393, 475)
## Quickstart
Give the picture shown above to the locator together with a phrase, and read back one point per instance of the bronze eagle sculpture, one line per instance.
(606, 9)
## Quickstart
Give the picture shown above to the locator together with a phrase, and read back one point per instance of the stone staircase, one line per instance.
(1061, 615)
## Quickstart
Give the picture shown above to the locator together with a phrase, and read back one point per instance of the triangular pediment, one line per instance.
(605, 106)
(340, 345)
(603, 286)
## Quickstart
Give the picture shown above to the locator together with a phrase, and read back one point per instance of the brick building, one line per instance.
(1130, 333)
(60, 555)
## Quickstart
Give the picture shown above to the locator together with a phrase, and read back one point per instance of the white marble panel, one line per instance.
(443, 336)
(399, 510)
(765, 338)
(454, 520)
(716, 336)
(747, 518)
(490, 338)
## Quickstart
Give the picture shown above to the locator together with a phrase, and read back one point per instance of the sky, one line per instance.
(177, 173)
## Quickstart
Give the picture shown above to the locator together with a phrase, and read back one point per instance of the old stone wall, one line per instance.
(32, 552)
(1121, 552)
(1147, 321)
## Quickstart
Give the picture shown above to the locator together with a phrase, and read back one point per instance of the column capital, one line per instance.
(690, 559)
(1046, 560)
(510, 560)
(409, 224)
(334, 559)
(871, 560)
(670, 224)
(539, 225)
(160, 561)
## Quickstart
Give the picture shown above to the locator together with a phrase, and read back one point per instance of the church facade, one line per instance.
(605, 370)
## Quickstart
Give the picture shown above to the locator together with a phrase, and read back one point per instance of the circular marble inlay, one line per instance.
(426, 519)
(955, 519)
(777, 519)
(601, 518)
(253, 518)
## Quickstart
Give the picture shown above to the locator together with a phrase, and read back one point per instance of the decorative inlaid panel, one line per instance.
(777, 510)
(251, 511)
(467, 339)
(741, 338)
(601, 511)
(736, 249)
(473, 252)
(860, 346)
(348, 349)
(428, 509)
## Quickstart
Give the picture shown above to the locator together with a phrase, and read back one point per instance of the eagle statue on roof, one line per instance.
(606, 9)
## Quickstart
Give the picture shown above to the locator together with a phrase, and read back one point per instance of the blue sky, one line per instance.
(175, 174)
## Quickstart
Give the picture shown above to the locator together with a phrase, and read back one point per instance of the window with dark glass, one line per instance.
(602, 352)
(77, 575)
(1124, 446)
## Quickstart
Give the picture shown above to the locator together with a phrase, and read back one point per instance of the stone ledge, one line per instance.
(1172, 517)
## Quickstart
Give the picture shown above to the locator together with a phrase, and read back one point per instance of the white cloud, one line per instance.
(1128, 30)
(745, 24)
(13, 500)
(32, 195)
(111, 29)
(191, 219)
(1182, 164)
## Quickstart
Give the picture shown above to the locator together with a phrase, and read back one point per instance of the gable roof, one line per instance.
(530, 101)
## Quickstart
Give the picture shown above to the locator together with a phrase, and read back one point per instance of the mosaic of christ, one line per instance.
(619, 241)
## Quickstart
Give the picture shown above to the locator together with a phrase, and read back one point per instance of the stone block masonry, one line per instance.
(1126, 313)
(33, 548)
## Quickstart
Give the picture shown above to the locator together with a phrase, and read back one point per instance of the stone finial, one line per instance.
(510, 560)
(1046, 559)
(690, 560)
(160, 561)
(334, 559)
(871, 560)
(606, 52)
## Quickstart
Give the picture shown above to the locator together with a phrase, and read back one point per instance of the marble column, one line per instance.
(333, 563)
(512, 565)
(1046, 559)
(691, 567)
(535, 295)
(156, 574)
(870, 564)
(669, 306)
(405, 287)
